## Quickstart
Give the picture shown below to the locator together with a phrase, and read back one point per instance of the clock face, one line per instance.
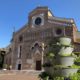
(38, 21)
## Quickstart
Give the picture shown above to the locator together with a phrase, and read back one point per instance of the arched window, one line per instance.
(36, 45)
(20, 38)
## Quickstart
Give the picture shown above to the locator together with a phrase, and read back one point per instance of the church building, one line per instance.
(30, 44)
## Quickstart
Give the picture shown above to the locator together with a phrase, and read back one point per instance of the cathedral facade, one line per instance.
(30, 44)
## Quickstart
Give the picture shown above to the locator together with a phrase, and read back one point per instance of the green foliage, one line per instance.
(76, 76)
(72, 54)
(65, 55)
(44, 75)
(47, 65)
(77, 59)
(74, 66)
(50, 55)
(5, 66)
(59, 78)
(76, 52)
(54, 48)
(62, 66)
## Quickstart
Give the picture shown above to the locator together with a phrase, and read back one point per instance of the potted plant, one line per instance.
(61, 64)
(61, 70)
(66, 61)
(65, 51)
(65, 41)
(65, 56)
(44, 76)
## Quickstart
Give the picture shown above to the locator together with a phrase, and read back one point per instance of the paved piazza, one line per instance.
(19, 75)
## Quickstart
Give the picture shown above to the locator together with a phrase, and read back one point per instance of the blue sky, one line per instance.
(14, 13)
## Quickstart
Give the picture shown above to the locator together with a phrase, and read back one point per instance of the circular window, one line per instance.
(38, 21)
(58, 31)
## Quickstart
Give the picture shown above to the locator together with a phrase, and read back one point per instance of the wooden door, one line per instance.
(38, 65)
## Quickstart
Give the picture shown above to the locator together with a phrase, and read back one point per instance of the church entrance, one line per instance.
(19, 66)
(38, 65)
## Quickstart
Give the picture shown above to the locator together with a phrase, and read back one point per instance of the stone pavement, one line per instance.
(19, 75)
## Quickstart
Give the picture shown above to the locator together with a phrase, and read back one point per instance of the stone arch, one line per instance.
(37, 54)
(36, 43)
(37, 57)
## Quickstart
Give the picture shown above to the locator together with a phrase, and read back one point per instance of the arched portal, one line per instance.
(38, 60)
(37, 55)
